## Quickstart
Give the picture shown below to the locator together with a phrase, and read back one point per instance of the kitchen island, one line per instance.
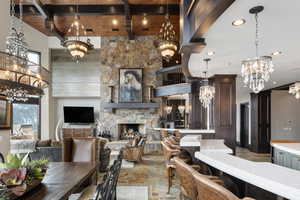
(286, 154)
(276, 180)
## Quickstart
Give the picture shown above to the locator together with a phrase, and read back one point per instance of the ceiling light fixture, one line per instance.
(76, 45)
(207, 92)
(276, 53)
(167, 44)
(257, 71)
(20, 78)
(238, 22)
(295, 90)
(210, 53)
(145, 20)
(115, 22)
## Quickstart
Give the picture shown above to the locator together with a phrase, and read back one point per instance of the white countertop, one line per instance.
(192, 131)
(279, 180)
(205, 145)
(293, 148)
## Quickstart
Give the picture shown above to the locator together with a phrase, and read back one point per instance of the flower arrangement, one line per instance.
(18, 175)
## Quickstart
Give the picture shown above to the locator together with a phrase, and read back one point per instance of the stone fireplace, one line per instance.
(119, 52)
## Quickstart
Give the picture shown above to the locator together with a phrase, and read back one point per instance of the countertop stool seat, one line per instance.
(207, 189)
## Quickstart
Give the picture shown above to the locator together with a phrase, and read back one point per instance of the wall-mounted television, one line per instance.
(82, 115)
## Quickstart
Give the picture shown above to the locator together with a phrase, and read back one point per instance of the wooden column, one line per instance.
(261, 122)
(197, 116)
(225, 109)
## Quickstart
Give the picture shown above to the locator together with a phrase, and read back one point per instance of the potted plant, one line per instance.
(18, 175)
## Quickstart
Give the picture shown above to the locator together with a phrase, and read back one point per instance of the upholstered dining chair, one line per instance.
(209, 190)
(188, 189)
(80, 150)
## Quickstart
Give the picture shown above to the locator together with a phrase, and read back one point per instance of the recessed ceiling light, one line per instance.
(210, 53)
(238, 22)
(114, 22)
(276, 53)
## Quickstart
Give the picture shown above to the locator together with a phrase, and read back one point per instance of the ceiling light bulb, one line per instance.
(145, 21)
(276, 53)
(238, 22)
(210, 53)
(114, 22)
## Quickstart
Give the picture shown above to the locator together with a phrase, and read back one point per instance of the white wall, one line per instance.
(285, 116)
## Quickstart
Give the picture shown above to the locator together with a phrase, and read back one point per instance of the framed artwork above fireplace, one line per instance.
(131, 85)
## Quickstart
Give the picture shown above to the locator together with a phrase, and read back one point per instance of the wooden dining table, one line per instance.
(62, 179)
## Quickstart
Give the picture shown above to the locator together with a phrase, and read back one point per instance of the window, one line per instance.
(26, 115)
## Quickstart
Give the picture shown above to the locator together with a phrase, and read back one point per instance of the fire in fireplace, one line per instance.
(128, 131)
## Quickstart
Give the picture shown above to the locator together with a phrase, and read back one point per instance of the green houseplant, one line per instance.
(18, 175)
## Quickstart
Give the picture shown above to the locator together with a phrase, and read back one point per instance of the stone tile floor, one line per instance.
(151, 172)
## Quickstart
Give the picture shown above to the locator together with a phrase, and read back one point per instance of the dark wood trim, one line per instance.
(261, 122)
(208, 11)
(8, 120)
(128, 20)
(246, 104)
(99, 10)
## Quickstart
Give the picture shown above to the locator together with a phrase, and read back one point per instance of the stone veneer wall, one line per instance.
(119, 52)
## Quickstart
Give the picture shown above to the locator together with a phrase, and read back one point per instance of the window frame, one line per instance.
(32, 100)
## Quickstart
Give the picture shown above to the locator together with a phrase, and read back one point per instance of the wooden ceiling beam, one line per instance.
(128, 22)
(48, 19)
(98, 10)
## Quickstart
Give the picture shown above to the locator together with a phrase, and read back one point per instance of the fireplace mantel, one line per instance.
(112, 107)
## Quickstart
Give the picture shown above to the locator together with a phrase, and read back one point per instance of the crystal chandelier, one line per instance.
(181, 109)
(207, 92)
(168, 109)
(257, 71)
(76, 45)
(19, 78)
(167, 44)
(295, 90)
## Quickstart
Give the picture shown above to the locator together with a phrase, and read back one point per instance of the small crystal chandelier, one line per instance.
(295, 90)
(207, 92)
(20, 78)
(167, 44)
(168, 109)
(76, 45)
(257, 71)
(181, 109)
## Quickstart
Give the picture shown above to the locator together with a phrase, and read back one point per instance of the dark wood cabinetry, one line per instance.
(261, 122)
(225, 109)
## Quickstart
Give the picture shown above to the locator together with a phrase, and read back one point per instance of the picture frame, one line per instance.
(130, 85)
(5, 113)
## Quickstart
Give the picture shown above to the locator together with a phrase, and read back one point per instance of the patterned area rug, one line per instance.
(132, 193)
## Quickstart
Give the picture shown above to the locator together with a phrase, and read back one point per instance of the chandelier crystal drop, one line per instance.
(295, 90)
(207, 92)
(20, 78)
(257, 71)
(167, 44)
(76, 45)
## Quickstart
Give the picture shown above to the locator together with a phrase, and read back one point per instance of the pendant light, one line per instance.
(256, 71)
(207, 92)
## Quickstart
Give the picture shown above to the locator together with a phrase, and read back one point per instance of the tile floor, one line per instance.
(151, 172)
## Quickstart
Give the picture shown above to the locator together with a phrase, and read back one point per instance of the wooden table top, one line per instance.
(61, 180)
